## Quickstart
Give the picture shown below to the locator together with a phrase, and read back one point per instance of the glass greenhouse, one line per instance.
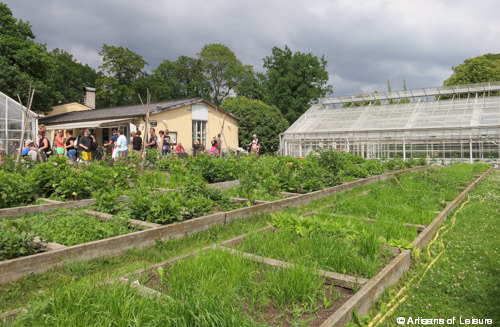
(11, 124)
(450, 123)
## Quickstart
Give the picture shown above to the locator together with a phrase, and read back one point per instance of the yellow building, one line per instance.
(187, 120)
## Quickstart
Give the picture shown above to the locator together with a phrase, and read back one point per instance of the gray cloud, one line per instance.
(365, 42)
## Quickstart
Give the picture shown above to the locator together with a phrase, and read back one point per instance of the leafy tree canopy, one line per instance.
(223, 70)
(124, 76)
(70, 77)
(294, 80)
(259, 118)
(485, 68)
(183, 78)
(23, 61)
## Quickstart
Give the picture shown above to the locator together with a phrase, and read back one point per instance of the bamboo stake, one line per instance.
(143, 150)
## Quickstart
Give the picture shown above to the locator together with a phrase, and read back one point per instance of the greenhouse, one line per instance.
(450, 123)
(11, 124)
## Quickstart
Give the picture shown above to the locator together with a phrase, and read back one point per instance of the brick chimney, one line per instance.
(89, 97)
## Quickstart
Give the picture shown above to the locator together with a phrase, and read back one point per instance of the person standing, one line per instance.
(213, 149)
(60, 140)
(121, 145)
(85, 146)
(152, 139)
(137, 142)
(70, 145)
(43, 145)
(254, 144)
(167, 142)
(112, 142)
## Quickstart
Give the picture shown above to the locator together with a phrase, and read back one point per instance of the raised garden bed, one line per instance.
(229, 287)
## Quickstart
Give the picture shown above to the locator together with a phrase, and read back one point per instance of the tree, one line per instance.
(256, 117)
(69, 77)
(124, 76)
(251, 85)
(23, 61)
(223, 70)
(485, 68)
(179, 79)
(294, 80)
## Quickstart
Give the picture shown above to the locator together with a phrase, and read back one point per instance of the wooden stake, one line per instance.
(143, 152)
(33, 136)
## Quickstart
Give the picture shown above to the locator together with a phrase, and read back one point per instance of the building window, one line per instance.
(200, 132)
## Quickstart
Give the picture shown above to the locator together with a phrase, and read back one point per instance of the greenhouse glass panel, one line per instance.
(463, 127)
(11, 124)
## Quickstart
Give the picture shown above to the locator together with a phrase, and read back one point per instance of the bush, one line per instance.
(16, 240)
(15, 190)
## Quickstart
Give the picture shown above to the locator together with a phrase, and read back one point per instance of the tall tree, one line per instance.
(23, 61)
(294, 80)
(124, 76)
(223, 70)
(485, 68)
(183, 78)
(69, 77)
(251, 85)
(259, 118)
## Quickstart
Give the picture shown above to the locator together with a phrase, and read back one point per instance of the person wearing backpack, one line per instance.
(44, 145)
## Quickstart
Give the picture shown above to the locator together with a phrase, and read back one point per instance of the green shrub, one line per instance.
(15, 190)
(16, 240)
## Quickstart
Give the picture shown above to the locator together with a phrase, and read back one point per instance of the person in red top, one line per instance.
(179, 148)
(60, 140)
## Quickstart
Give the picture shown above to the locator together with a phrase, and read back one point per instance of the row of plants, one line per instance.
(17, 237)
(346, 247)
(216, 288)
(58, 179)
(411, 198)
(265, 176)
(194, 198)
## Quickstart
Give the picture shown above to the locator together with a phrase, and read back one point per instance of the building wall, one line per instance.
(180, 120)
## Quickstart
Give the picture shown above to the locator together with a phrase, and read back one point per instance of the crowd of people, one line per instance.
(80, 148)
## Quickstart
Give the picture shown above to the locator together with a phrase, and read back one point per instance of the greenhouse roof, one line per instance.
(474, 111)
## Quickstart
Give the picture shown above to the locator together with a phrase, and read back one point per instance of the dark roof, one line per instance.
(123, 111)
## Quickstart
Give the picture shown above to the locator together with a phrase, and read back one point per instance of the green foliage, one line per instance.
(480, 69)
(15, 190)
(180, 79)
(223, 70)
(108, 201)
(123, 76)
(76, 227)
(16, 240)
(69, 77)
(256, 117)
(294, 80)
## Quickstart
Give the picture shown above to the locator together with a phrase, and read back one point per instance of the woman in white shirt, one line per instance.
(121, 145)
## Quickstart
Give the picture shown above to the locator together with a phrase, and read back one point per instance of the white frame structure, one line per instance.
(451, 123)
(11, 124)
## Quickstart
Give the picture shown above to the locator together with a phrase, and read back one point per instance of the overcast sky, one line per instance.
(364, 41)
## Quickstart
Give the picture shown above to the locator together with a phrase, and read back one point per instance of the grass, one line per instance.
(347, 246)
(259, 194)
(412, 198)
(465, 278)
(213, 288)
(37, 287)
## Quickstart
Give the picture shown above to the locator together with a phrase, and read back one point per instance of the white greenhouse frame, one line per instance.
(451, 124)
(11, 124)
